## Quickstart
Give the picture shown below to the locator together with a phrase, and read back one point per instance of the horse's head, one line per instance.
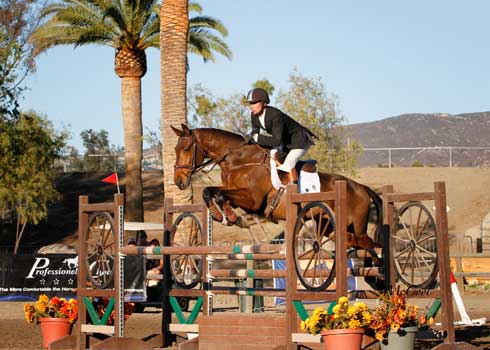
(189, 156)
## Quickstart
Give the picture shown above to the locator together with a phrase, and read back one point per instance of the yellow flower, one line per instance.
(354, 324)
(343, 300)
(319, 311)
(336, 309)
(351, 311)
(366, 315)
(360, 306)
(41, 306)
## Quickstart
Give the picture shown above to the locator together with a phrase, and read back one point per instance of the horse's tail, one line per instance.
(378, 206)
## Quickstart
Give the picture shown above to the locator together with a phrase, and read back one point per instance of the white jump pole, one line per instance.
(465, 318)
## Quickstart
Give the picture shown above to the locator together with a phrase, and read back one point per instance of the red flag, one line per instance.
(451, 277)
(112, 179)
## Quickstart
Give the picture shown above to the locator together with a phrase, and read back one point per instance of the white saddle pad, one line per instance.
(308, 182)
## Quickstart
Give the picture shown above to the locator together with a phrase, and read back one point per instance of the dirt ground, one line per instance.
(468, 197)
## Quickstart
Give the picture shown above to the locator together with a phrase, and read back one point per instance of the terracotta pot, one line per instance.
(53, 329)
(345, 339)
(403, 340)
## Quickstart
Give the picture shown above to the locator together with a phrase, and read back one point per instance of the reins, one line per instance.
(194, 169)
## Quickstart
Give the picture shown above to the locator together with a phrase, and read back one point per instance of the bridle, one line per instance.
(192, 167)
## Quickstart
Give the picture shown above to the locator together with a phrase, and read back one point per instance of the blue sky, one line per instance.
(381, 58)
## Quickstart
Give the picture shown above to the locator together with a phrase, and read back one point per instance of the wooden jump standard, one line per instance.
(292, 293)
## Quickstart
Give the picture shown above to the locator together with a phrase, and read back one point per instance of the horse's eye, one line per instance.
(187, 148)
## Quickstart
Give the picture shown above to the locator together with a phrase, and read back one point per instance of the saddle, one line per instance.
(307, 177)
(307, 166)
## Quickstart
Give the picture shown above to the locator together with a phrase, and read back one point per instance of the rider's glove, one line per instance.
(249, 138)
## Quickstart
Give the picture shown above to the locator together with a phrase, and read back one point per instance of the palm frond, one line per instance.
(133, 24)
(195, 7)
(208, 22)
(200, 38)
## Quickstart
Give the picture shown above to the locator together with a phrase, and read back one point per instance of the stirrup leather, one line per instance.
(275, 201)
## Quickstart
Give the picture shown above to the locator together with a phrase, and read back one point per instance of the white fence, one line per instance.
(444, 155)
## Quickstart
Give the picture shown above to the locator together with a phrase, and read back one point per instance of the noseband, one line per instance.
(192, 166)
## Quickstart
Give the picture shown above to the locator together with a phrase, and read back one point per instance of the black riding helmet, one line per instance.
(258, 94)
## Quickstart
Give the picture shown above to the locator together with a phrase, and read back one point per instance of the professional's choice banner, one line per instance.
(25, 277)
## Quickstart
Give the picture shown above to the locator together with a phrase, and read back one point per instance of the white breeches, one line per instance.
(292, 158)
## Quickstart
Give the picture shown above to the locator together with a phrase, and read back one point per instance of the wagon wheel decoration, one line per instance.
(414, 246)
(314, 247)
(100, 243)
(186, 269)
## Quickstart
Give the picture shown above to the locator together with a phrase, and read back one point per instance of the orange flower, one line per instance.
(54, 308)
(394, 313)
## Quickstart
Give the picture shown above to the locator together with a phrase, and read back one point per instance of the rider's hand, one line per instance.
(249, 138)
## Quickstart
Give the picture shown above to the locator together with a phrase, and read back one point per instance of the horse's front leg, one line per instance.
(209, 195)
(221, 202)
(242, 198)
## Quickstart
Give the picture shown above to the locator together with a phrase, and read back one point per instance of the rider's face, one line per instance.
(257, 107)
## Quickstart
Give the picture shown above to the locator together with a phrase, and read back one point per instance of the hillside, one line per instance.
(426, 130)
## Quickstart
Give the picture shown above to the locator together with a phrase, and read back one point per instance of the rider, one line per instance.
(287, 135)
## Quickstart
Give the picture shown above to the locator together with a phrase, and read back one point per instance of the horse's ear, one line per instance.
(186, 130)
(177, 132)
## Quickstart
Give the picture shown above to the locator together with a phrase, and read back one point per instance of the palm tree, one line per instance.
(130, 27)
(174, 28)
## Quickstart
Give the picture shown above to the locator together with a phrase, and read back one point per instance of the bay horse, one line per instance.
(246, 181)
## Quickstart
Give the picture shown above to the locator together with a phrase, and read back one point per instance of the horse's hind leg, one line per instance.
(360, 239)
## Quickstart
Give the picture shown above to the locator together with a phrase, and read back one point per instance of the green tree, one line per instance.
(307, 101)
(99, 154)
(17, 21)
(28, 148)
(266, 85)
(71, 161)
(229, 113)
(234, 113)
(130, 27)
(201, 107)
(154, 141)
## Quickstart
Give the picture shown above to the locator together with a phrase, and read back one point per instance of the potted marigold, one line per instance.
(343, 328)
(395, 322)
(56, 316)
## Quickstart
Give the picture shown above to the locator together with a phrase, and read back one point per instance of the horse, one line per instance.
(71, 262)
(246, 182)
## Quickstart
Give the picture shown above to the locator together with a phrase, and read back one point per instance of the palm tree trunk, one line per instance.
(174, 27)
(133, 146)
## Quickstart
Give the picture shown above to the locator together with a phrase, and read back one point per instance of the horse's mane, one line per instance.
(224, 135)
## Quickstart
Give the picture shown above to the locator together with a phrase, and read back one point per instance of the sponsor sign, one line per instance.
(24, 277)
